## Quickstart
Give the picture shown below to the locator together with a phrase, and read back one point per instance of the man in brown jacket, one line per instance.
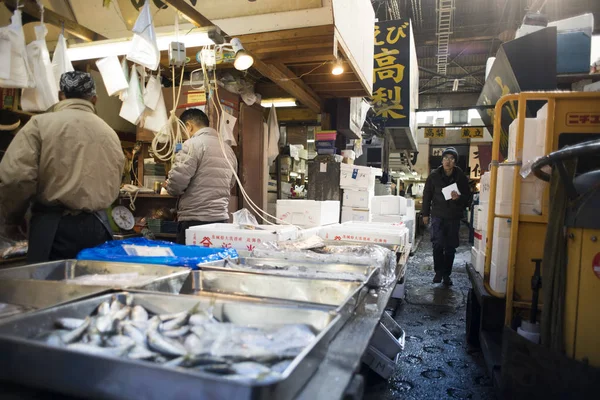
(67, 165)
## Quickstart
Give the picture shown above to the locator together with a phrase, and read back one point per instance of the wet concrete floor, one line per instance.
(436, 363)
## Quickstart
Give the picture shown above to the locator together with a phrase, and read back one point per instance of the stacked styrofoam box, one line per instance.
(308, 213)
(389, 205)
(484, 188)
(232, 236)
(534, 140)
(358, 177)
(532, 192)
(358, 183)
(500, 255)
(350, 214)
(372, 233)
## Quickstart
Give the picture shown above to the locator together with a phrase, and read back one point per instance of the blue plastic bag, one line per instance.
(144, 251)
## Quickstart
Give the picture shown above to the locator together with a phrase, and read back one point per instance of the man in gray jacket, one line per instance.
(201, 175)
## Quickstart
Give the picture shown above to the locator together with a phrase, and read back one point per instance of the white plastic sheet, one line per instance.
(45, 93)
(60, 60)
(112, 75)
(273, 147)
(157, 119)
(125, 69)
(133, 107)
(153, 93)
(14, 66)
(226, 125)
(144, 49)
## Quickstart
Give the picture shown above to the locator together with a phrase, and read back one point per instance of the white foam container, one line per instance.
(357, 198)
(532, 192)
(474, 254)
(389, 205)
(484, 188)
(480, 263)
(358, 177)
(367, 233)
(500, 255)
(350, 214)
(308, 213)
(231, 236)
(534, 140)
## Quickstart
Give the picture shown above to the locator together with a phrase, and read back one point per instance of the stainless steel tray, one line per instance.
(343, 295)
(34, 295)
(34, 363)
(168, 279)
(296, 269)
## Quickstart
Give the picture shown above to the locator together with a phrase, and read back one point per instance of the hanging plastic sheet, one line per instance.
(60, 60)
(125, 69)
(153, 93)
(157, 119)
(133, 107)
(226, 125)
(273, 147)
(15, 71)
(45, 93)
(144, 49)
(112, 75)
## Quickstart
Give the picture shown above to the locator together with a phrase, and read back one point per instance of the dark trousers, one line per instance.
(444, 236)
(63, 237)
(182, 226)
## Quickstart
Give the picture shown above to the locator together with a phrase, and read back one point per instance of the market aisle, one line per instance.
(436, 362)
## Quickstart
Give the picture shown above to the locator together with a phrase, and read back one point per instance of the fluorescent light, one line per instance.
(120, 47)
(310, 140)
(267, 103)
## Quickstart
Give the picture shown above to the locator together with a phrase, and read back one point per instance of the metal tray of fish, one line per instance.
(344, 295)
(31, 358)
(22, 295)
(287, 268)
(106, 274)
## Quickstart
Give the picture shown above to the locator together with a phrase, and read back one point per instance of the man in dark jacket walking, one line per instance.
(445, 214)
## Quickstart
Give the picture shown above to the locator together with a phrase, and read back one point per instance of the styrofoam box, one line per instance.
(231, 236)
(358, 177)
(366, 233)
(484, 188)
(474, 254)
(479, 240)
(479, 267)
(308, 232)
(308, 213)
(357, 198)
(355, 214)
(480, 217)
(396, 220)
(532, 188)
(389, 205)
(500, 254)
(534, 139)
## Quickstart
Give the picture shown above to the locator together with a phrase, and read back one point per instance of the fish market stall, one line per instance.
(266, 327)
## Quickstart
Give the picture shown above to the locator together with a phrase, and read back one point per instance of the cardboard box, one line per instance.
(355, 214)
(308, 213)
(358, 177)
(357, 198)
(231, 236)
(389, 205)
(366, 233)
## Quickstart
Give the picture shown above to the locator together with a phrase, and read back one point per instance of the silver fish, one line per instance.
(115, 305)
(176, 362)
(76, 334)
(120, 341)
(177, 333)
(164, 345)
(281, 366)
(103, 309)
(55, 338)
(134, 333)
(139, 313)
(219, 369)
(122, 313)
(168, 317)
(69, 323)
(99, 351)
(251, 369)
(92, 338)
(106, 324)
(141, 353)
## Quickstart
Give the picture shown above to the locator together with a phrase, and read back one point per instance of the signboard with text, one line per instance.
(471, 132)
(391, 73)
(435, 133)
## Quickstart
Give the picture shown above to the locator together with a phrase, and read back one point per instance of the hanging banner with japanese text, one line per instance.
(391, 69)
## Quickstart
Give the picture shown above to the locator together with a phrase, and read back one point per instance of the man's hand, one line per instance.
(165, 183)
(455, 195)
(426, 220)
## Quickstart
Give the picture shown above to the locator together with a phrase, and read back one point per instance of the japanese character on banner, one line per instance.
(387, 68)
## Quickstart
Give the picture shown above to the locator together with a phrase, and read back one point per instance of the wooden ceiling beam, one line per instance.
(190, 13)
(290, 83)
(288, 34)
(31, 8)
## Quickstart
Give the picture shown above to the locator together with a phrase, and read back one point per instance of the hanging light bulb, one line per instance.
(243, 60)
(338, 68)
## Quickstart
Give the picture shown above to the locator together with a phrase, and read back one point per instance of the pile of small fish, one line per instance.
(191, 339)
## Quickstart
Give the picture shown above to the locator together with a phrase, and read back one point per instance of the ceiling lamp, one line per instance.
(338, 68)
(243, 60)
(281, 102)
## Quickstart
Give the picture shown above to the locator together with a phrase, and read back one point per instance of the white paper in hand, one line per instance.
(447, 191)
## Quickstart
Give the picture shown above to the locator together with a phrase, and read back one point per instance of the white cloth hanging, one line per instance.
(133, 107)
(125, 69)
(153, 93)
(144, 49)
(112, 75)
(226, 126)
(45, 93)
(60, 60)
(273, 147)
(15, 71)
